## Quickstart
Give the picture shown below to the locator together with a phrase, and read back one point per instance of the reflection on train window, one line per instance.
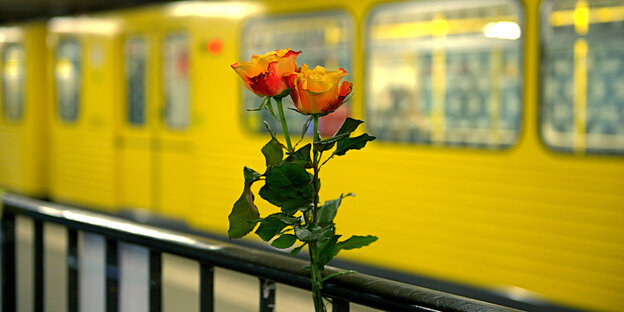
(442, 73)
(67, 77)
(176, 81)
(135, 52)
(583, 75)
(324, 38)
(13, 72)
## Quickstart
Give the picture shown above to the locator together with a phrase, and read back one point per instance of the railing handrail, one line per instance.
(358, 288)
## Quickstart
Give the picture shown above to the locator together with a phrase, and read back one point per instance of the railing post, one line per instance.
(72, 270)
(267, 295)
(339, 305)
(8, 262)
(155, 281)
(112, 276)
(38, 263)
(206, 287)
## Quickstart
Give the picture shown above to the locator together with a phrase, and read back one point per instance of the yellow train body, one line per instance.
(525, 220)
(23, 143)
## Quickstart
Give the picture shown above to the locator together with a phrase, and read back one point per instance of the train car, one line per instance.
(498, 160)
(83, 58)
(23, 112)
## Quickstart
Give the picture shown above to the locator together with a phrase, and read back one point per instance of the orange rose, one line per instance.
(316, 91)
(266, 75)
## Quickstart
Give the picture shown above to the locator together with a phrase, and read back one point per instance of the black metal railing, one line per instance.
(269, 268)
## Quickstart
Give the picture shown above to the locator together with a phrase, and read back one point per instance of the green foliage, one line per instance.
(273, 153)
(313, 232)
(266, 104)
(327, 211)
(328, 250)
(284, 241)
(342, 139)
(244, 215)
(356, 242)
(289, 187)
(301, 157)
(270, 226)
(348, 126)
(250, 175)
(296, 250)
(347, 144)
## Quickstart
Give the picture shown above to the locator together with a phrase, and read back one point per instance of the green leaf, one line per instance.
(273, 153)
(288, 186)
(328, 250)
(266, 125)
(284, 241)
(327, 212)
(269, 107)
(244, 215)
(356, 242)
(261, 107)
(270, 226)
(348, 126)
(289, 220)
(305, 126)
(250, 175)
(327, 144)
(313, 232)
(296, 250)
(347, 144)
(301, 156)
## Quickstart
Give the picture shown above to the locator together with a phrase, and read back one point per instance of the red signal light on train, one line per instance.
(215, 46)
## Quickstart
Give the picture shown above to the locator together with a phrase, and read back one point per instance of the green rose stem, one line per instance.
(280, 109)
(317, 283)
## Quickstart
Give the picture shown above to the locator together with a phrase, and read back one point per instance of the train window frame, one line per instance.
(570, 147)
(131, 109)
(346, 19)
(20, 89)
(519, 13)
(78, 85)
(170, 124)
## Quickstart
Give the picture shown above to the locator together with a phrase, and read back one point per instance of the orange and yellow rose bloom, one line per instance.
(318, 91)
(267, 75)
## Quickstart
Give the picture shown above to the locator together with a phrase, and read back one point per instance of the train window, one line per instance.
(582, 70)
(67, 78)
(176, 81)
(445, 74)
(135, 53)
(13, 72)
(325, 38)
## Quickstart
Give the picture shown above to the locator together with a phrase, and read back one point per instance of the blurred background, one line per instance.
(497, 173)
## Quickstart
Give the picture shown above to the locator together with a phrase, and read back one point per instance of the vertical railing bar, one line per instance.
(72, 270)
(38, 266)
(9, 292)
(267, 295)
(112, 276)
(339, 305)
(206, 287)
(155, 281)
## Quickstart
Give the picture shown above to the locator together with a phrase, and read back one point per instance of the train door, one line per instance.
(83, 159)
(173, 132)
(22, 109)
(137, 122)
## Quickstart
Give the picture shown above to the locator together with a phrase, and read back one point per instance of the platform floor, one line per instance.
(233, 291)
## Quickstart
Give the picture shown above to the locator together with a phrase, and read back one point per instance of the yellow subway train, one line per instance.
(498, 162)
